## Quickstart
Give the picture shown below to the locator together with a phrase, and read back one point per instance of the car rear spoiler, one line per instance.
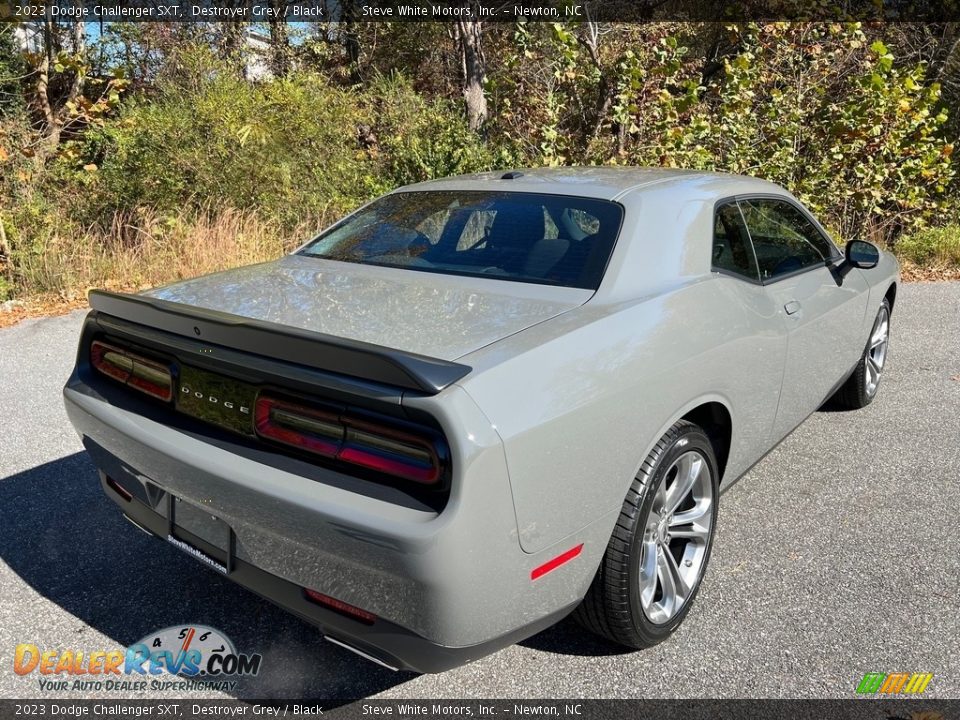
(281, 342)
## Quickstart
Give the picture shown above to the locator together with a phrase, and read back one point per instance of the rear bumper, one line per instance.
(383, 642)
(447, 587)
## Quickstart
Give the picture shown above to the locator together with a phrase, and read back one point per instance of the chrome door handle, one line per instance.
(792, 307)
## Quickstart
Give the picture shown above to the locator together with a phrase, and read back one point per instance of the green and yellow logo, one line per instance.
(894, 683)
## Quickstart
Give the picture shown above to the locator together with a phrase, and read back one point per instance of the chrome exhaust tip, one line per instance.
(361, 653)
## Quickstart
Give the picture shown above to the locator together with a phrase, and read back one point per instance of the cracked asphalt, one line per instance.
(836, 555)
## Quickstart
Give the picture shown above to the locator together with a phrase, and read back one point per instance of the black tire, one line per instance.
(612, 607)
(856, 392)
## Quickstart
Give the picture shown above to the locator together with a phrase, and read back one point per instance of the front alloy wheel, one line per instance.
(658, 553)
(877, 351)
(677, 534)
(861, 387)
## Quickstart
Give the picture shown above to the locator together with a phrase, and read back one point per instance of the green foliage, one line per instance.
(659, 106)
(289, 148)
(12, 71)
(932, 247)
(813, 108)
(419, 139)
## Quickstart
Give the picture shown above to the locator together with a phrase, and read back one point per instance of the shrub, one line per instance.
(939, 247)
(420, 139)
(286, 147)
(292, 148)
(215, 171)
(812, 107)
(12, 70)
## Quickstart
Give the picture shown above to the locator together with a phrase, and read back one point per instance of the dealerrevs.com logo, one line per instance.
(191, 657)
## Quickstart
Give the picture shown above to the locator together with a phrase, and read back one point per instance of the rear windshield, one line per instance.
(527, 237)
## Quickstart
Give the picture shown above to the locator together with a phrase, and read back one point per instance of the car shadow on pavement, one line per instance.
(72, 546)
(569, 638)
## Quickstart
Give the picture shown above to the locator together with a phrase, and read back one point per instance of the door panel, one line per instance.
(759, 355)
(821, 316)
(822, 340)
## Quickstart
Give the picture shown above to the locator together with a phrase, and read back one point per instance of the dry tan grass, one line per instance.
(141, 250)
(147, 249)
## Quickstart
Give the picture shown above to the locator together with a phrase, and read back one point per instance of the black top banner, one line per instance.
(476, 10)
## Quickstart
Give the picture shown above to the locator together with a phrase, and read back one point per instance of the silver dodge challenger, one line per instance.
(478, 404)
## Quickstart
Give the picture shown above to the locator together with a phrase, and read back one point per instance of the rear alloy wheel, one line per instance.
(861, 387)
(656, 558)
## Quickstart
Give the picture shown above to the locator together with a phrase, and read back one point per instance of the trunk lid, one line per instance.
(440, 316)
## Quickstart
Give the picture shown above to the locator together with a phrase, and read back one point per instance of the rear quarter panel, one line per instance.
(580, 401)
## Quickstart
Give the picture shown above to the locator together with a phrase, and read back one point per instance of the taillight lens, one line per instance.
(390, 451)
(147, 376)
(299, 426)
(401, 453)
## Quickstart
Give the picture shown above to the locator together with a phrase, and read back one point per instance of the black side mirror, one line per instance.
(861, 254)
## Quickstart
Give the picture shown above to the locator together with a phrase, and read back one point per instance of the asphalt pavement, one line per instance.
(836, 555)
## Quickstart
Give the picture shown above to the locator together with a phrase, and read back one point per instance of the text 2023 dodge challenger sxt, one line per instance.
(479, 403)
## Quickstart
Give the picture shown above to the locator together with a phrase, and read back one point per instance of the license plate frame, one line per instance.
(197, 554)
(200, 534)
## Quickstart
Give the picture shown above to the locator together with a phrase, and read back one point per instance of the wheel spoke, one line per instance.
(689, 467)
(674, 586)
(679, 582)
(879, 335)
(691, 532)
(697, 513)
(668, 600)
(660, 501)
(694, 524)
(873, 368)
(648, 572)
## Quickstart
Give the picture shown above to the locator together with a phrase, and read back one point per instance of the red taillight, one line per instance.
(299, 426)
(390, 451)
(361, 442)
(341, 607)
(147, 376)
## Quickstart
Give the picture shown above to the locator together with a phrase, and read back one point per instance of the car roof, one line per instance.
(603, 181)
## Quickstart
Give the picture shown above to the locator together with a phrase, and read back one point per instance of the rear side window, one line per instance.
(731, 244)
(526, 237)
(783, 238)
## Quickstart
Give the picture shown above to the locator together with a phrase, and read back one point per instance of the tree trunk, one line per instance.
(5, 251)
(51, 121)
(233, 46)
(79, 51)
(279, 43)
(469, 35)
(590, 39)
(55, 110)
(351, 42)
